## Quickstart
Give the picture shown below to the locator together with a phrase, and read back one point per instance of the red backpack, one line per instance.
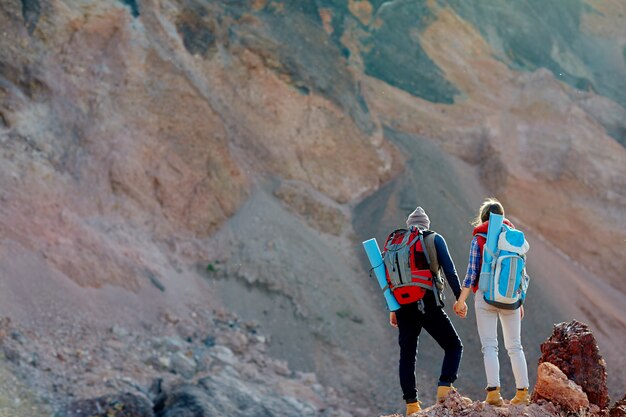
(407, 265)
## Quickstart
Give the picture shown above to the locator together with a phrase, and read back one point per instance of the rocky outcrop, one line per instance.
(553, 385)
(122, 405)
(227, 395)
(216, 395)
(454, 405)
(573, 349)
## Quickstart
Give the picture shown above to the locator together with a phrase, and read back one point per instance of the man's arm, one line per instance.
(446, 263)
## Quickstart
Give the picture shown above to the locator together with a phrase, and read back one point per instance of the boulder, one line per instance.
(119, 405)
(573, 349)
(553, 385)
(228, 395)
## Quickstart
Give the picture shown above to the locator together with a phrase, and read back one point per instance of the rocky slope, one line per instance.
(173, 368)
(160, 155)
(208, 360)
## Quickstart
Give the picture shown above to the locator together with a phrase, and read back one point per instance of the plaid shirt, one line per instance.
(473, 267)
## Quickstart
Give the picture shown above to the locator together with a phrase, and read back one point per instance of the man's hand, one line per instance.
(460, 309)
(392, 319)
(521, 309)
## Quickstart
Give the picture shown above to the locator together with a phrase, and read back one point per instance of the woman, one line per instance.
(487, 317)
(428, 314)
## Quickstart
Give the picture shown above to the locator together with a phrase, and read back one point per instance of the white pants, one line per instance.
(487, 321)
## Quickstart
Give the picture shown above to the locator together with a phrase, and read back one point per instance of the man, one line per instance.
(428, 314)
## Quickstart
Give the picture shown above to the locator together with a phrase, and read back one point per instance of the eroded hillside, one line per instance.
(162, 153)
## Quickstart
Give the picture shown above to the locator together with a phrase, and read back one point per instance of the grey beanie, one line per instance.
(419, 219)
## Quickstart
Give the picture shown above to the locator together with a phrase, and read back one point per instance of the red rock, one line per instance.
(553, 385)
(573, 349)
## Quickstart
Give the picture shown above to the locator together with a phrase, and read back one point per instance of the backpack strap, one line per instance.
(430, 250)
(428, 243)
(414, 241)
(485, 248)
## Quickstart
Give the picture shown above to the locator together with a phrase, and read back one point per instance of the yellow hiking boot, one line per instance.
(494, 397)
(521, 397)
(413, 408)
(442, 393)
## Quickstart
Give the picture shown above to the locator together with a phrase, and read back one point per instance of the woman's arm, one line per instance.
(465, 292)
(473, 266)
(473, 269)
(460, 307)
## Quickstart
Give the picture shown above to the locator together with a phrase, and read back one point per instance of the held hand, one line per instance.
(392, 319)
(460, 309)
(463, 311)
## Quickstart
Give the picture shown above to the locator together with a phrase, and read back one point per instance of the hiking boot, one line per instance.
(494, 397)
(443, 390)
(413, 408)
(521, 397)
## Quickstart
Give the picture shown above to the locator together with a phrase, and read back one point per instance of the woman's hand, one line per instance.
(521, 310)
(392, 319)
(460, 309)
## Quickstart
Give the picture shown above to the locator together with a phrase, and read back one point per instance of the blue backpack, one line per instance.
(504, 280)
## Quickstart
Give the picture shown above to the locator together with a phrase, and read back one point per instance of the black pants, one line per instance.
(436, 322)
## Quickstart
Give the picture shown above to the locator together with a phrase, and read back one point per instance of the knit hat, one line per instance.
(419, 219)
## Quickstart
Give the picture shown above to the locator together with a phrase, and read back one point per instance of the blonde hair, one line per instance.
(490, 205)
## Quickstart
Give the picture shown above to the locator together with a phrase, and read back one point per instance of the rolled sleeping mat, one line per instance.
(376, 260)
(493, 232)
